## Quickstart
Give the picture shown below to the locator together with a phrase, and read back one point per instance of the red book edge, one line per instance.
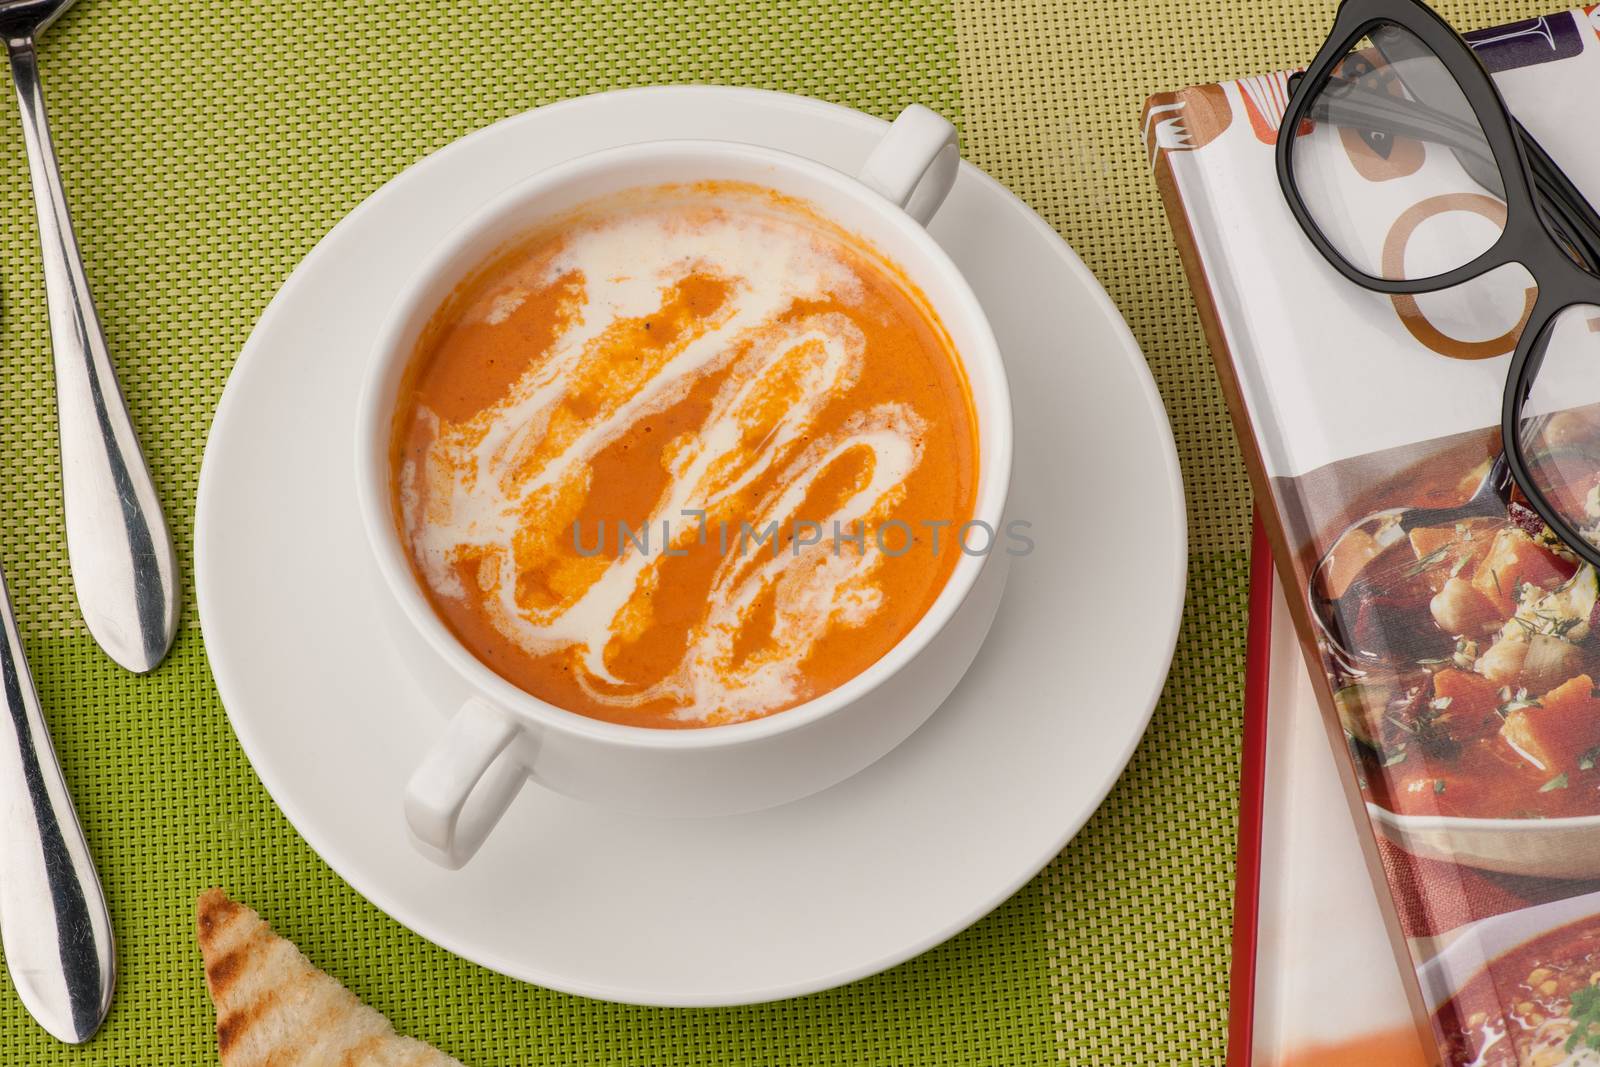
(1252, 790)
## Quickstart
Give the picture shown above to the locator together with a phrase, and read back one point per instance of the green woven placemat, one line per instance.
(206, 148)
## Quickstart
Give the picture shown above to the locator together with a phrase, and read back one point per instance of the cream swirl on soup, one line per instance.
(605, 423)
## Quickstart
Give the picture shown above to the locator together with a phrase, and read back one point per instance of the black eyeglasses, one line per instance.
(1395, 93)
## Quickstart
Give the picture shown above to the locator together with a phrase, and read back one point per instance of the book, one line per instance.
(1454, 663)
(1307, 927)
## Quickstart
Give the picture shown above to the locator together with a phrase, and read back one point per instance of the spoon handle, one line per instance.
(1490, 499)
(54, 925)
(123, 567)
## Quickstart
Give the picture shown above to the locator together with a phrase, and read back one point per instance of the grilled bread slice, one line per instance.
(274, 1008)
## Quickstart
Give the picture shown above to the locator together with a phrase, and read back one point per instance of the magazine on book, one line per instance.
(1456, 661)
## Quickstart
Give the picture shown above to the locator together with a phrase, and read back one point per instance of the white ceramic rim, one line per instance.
(374, 422)
(426, 926)
(1419, 824)
(1463, 959)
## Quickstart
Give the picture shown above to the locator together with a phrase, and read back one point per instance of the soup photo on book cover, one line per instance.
(1463, 649)
(1461, 642)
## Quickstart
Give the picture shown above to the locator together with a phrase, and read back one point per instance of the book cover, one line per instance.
(1456, 663)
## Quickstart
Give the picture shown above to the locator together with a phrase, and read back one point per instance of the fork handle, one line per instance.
(123, 567)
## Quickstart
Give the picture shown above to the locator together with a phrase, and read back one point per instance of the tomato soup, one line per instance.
(1482, 701)
(1536, 1006)
(690, 456)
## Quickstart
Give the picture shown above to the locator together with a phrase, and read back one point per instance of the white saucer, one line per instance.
(694, 912)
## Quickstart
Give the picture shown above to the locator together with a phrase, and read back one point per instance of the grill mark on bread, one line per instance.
(221, 974)
(214, 912)
(226, 970)
(233, 1025)
(274, 1008)
(356, 1054)
(232, 1028)
(335, 1002)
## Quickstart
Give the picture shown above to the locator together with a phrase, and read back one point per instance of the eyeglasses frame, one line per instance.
(1525, 240)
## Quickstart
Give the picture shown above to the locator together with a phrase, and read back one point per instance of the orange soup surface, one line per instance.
(1534, 1006)
(690, 456)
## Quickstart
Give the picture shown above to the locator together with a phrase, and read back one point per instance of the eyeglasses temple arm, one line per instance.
(1552, 182)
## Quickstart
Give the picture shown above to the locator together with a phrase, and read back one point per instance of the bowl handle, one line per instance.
(472, 762)
(915, 164)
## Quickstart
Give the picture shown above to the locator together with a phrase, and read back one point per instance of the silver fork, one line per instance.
(123, 567)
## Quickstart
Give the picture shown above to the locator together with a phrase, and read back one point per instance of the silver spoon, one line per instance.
(54, 925)
(123, 568)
